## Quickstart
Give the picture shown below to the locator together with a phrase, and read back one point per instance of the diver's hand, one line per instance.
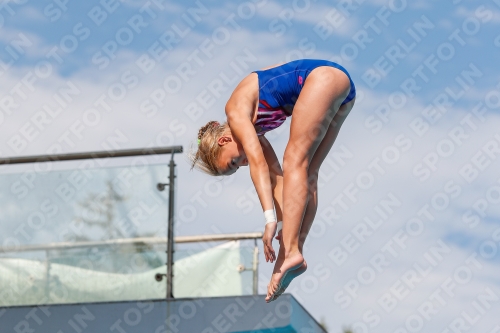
(267, 238)
(280, 228)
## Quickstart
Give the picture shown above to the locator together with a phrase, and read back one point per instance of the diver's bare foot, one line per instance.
(289, 277)
(287, 280)
(291, 262)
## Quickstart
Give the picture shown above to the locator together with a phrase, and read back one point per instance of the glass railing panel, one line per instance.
(82, 204)
(224, 270)
(70, 206)
(112, 273)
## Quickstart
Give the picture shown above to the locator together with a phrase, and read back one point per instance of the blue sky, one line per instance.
(424, 127)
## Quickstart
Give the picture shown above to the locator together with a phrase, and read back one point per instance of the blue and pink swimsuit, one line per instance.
(279, 89)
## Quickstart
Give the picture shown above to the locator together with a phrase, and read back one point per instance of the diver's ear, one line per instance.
(223, 140)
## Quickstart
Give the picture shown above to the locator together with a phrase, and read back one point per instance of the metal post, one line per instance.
(255, 268)
(170, 231)
(47, 274)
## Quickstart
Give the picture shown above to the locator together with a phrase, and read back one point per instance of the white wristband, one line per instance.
(269, 216)
(280, 226)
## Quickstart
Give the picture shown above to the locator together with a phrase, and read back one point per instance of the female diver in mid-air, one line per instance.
(318, 95)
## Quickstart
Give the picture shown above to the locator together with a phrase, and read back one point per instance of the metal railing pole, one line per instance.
(47, 274)
(170, 231)
(134, 241)
(255, 268)
(88, 155)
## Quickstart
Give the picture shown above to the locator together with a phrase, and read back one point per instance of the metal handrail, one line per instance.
(89, 155)
(134, 241)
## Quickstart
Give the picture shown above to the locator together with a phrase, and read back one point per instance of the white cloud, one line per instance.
(30, 13)
(26, 43)
(485, 14)
(311, 15)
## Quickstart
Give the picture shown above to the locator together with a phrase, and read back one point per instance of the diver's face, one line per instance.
(232, 155)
